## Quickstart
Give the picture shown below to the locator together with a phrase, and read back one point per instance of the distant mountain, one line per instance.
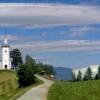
(62, 73)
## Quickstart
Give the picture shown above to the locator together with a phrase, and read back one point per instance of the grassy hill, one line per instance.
(7, 75)
(9, 86)
(84, 90)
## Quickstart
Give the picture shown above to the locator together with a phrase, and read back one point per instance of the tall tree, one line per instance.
(31, 62)
(98, 72)
(85, 77)
(79, 77)
(89, 73)
(16, 58)
(73, 76)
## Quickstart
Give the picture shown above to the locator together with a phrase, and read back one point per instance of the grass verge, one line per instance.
(9, 86)
(84, 90)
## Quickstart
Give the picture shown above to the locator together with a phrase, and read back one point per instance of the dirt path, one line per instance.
(39, 92)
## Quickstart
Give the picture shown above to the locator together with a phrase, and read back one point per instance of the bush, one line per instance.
(25, 75)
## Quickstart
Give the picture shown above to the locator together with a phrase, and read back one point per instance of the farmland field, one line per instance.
(84, 90)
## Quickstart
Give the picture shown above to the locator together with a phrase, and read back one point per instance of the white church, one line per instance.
(6, 62)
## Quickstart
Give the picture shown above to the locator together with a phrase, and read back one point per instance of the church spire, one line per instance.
(5, 44)
(5, 40)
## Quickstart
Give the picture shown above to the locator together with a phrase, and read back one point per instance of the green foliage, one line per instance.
(98, 72)
(38, 67)
(45, 67)
(79, 78)
(31, 62)
(85, 77)
(25, 75)
(9, 85)
(73, 77)
(16, 57)
(49, 69)
(89, 73)
(83, 90)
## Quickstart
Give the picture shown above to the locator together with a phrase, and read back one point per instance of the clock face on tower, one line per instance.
(5, 51)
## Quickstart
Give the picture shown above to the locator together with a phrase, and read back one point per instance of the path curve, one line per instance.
(38, 92)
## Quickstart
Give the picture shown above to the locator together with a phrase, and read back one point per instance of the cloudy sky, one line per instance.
(59, 32)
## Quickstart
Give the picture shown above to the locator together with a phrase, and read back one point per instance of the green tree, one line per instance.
(73, 76)
(25, 75)
(89, 73)
(49, 69)
(32, 63)
(98, 74)
(79, 77)
(85, 77)
(16, 58)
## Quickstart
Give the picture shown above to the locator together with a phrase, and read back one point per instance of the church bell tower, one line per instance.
(6, 55)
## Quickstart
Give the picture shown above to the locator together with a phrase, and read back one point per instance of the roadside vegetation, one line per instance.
(9, 86)
(15, 82)
(82, 90)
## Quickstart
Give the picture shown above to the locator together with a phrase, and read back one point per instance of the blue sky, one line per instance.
(59, 32)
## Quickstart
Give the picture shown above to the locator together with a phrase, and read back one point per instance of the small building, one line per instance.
(6, 62)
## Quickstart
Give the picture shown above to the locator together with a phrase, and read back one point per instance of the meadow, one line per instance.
(83, 90)
(9, 87)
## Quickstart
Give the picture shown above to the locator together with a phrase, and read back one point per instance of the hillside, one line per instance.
(62, 73)
(9, 85)
(7, 75)
(84, 90)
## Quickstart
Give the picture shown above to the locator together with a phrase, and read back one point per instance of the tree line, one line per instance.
(87, 75)
(27, 69)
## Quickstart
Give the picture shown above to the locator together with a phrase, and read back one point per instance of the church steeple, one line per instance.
(5, 40)
(5, 44)
(6, 63)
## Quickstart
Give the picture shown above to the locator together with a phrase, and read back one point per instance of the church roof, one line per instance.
(5, 44)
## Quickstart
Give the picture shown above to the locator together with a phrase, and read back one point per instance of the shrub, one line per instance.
(25, 75)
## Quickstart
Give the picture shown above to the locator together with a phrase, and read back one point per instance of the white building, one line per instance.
(6, 63)
(94, 69)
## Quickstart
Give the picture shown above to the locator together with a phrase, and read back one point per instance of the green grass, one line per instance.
(9, 86)
(84, 90)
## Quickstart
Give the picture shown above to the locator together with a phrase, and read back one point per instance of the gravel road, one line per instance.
(39, 92)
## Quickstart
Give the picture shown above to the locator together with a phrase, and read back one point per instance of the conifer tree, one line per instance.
(89, 73)
(98, 74)
(85, 77)
(73, 76)
(79, 77)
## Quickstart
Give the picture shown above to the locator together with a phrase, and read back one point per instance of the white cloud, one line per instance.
(9, 37)
(45, 15)
(82, 30)
(61, 45)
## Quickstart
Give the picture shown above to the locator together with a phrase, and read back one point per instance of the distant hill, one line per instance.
(62, 73)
